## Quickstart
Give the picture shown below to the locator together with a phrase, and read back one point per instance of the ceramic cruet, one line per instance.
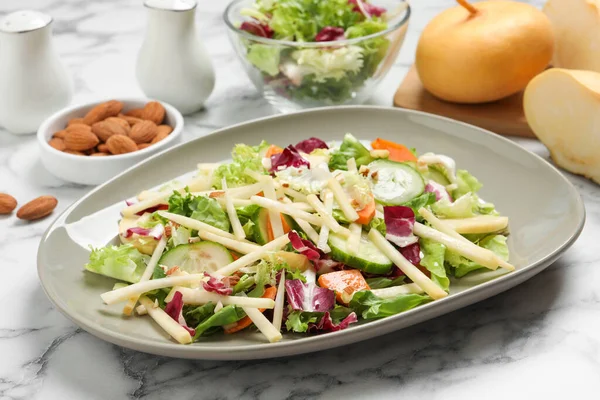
(33, 82)
(172, 64)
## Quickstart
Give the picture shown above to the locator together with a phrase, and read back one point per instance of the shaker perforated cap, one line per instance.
(24, 21)
(171, 5)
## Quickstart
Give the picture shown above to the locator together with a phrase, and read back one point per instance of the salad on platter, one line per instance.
(326, 74)
(311, 238)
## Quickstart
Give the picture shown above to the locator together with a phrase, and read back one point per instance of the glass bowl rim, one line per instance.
(332, 43)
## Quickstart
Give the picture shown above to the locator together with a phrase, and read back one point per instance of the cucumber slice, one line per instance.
(197, 257)
(369, 259)
(261, 220)
(436, 175)
(395, 183)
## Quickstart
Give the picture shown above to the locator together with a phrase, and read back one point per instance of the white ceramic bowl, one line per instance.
(96, 170)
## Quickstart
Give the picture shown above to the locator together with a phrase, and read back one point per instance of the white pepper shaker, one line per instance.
(33, 82)
(173, 65)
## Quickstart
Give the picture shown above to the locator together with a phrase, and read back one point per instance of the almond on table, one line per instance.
(37, 208)
(7, 203)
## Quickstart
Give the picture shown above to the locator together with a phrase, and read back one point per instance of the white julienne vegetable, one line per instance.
(249, 258)
(159, 198)
(165, 321)
(198, 297)
(160, 247)
(395, 291)
(118, 295)
(457, 243)
(231, 244)
(263, 324)
(236, 225)
(279, 302)
(326, 217)
(478, 224)
(351, 164)
(202, 227)
(342, 199)
(309, 230)
(141, 310)
(354, 239)
(294, 194)
(286, 209)
(324, 233)
(418, 277)
(274, 216)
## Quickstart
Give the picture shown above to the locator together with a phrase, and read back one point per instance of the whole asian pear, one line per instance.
(483, 52)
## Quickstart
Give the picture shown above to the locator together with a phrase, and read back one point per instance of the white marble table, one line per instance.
(539, 340)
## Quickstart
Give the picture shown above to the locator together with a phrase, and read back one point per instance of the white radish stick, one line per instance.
(165, 321)
(326, 217)
(342, 199)
(279, 302)
(324, 233)
(236, 225)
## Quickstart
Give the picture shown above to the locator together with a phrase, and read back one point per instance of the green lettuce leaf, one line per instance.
(379, 224)
(423, 200)
(244, 158)
(297, 321)
(369, 306)
(462, 266)
(202, 208)
(265, 275)
(466, 183)
(433, 260)
(158, 272)
(382, 282)
(365, 28)
(265, 57)
(466, 206)
(225, 316)
(326, 64)
(122, 262)
(194, 315)
(246, 215)
(350, 148)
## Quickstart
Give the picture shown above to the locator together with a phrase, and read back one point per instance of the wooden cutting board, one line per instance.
(504, 117)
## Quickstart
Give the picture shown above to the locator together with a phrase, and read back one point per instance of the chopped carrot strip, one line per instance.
(272, 150)
(270, 293)
(367, 213)
(398, 152)
(344, 283)
(286, 227)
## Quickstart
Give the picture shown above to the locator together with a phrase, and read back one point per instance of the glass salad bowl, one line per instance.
(313, 53)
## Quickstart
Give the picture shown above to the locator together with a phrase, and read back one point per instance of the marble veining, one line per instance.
(538, 340)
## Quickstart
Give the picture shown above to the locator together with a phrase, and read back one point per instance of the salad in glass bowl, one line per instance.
(307, 239)
(311, 53)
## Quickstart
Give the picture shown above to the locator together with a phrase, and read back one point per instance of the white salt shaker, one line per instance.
(33, 82)
(172, 64)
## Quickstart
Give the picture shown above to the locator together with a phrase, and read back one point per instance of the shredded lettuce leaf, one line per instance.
(327, 63)
(298, 321)
(433, 260)
(462, 266)
(466, 206)
(201, 208)
(264, 57)
(122, 262)
(466, 183)
(194, 315)
(382, 282)
(225, 316)
(423, 200)
(369, 306)
(244, 158)
(350, 148)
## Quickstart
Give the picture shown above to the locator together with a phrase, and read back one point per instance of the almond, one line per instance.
(110, 126)
(74, 152)
(142, 146)
(102, 111)
(99, 154)
(154, 111)
(103, 148)
(57, 143)
(130, 120)
(37, 208)
(119, 144)
(75, 121)
(162, 131)
(135, 112)
(7, 203)
(60, 134)
(143, 132)
(78, 127)
(80, 139)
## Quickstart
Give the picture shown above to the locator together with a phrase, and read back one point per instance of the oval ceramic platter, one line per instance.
(546, 216)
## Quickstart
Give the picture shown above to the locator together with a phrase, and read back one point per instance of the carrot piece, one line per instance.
(234, 255)
(344, 283)
(272, 150)
(245, 322)
(367, 213)
(398, 152)
(286, 227)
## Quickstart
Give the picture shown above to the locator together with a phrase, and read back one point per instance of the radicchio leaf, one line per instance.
(412, 253)
(439, 190)
(257, 29)
(174, 309)
(399, 223)
(367, 8)
(326, 323)
(289, 157)
(216, 286)
(156, 232)
(309, 145)
(149, 209)
(303, 246)
(326, 264)
(329, 34)
(308, 296)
